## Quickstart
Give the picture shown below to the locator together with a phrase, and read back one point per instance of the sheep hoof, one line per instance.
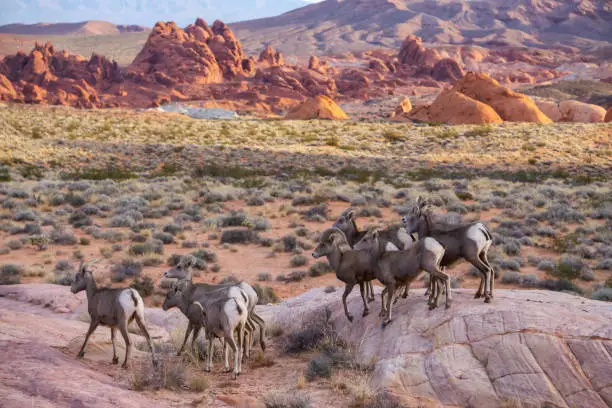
(487, 299)
(263, 346)
(350, 318)
(81, 354)
(234, 376)
(386, 323)
(115, 360)
(227, 370)
(370, 300)
(365, 313)
(124, 366)
(207, 369)
(477, 296)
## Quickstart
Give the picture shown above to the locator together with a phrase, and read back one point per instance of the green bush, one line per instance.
(10, 274)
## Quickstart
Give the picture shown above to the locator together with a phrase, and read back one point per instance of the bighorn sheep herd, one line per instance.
(227, 311)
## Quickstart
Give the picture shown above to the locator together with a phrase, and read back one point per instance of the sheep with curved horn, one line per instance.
(468, 241)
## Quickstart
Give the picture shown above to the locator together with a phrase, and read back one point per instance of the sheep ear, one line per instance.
(421, 202)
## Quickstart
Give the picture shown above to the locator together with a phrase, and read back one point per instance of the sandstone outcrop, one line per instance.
(271, 57)
(608, 117)
(511, 106)
(531, 347)
(575, 111)
(412, 52)
(319, 107)
(447, 70)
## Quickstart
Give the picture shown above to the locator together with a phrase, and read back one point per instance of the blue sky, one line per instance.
(142, 12)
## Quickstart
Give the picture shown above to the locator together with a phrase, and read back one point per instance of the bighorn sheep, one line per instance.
(468, 241)
(182, 271)
(395, 237)
(393, 267)
(206, 312)
(115, 308)
(351, 267)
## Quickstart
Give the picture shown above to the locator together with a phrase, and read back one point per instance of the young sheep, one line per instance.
(468, 241)
(402, 267)
(395, 236)
(222, 318)
(183, 272)
(114, 308)
(351, 267)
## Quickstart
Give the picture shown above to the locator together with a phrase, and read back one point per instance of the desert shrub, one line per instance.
(286, 399)
(295, 276)
(264, 277)
(31, 228)
(255, 201)
(265, 294)
(169, 375)
(75, 200)
(306, 338)
(604, 294)
(546, 265)
(380, 400)
(605, 264)
(127, 268)
(316, 213)
(164, 237)
(512, 248)
(206, 255)
(25, 215)
(172, 228)
(239, 236)
(91, 209)
(10, 274)
(64, 265)
(229, 279)
(329, 289)
(568, 267)
(587, 275)
(189, 244)
(546, 231)
(319, 366)
(298, 260)
(289, 242)
(14, 244)
(510, 264)
(144, 286)
(319, 268)
(302, 200)
(79, 219)
(559, 285)
(511, 277)
(561, 212)
(529, 281)
(151, 261)
(140, 249)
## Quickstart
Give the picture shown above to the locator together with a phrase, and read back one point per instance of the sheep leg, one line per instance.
(187, 333)
(382, 303)
(370, 291)
(115, 358)
(238, 357)
(194, 338)
(405, 294)
(362, 289)
(229, 340)
(92, 327)
(443, 276)
(390, 291)
(482, 267)
(262, 329)
(347, 290)
(128, 344)
(142, 327)
(485, 260)
(209, 356)
(226, 366)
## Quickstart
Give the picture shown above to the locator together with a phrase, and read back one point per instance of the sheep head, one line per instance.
(412, 219)
(81, 276)
(182, 270)
(174, 295)
(332, 239)
(370, 241)
(346, 222)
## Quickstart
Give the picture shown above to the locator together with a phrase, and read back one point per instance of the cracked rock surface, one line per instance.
(538, 348)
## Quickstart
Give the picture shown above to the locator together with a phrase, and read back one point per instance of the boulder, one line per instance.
(511, 106)
(575, 111)
(271, 57)
(454, 108)
(7, 91)
(412, 52)
(608, 117)
(528, 348)
(447, 70)
(404, 107)
(550, 109)
(34, 94)
(319, 107)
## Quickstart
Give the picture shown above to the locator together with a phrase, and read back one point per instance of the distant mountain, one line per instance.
(92, 27)
(336, 26)
(142, 12)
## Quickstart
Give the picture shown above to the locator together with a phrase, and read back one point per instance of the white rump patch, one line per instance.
(477, 235)
(432, 245)
(405, 238)
(390, 247)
